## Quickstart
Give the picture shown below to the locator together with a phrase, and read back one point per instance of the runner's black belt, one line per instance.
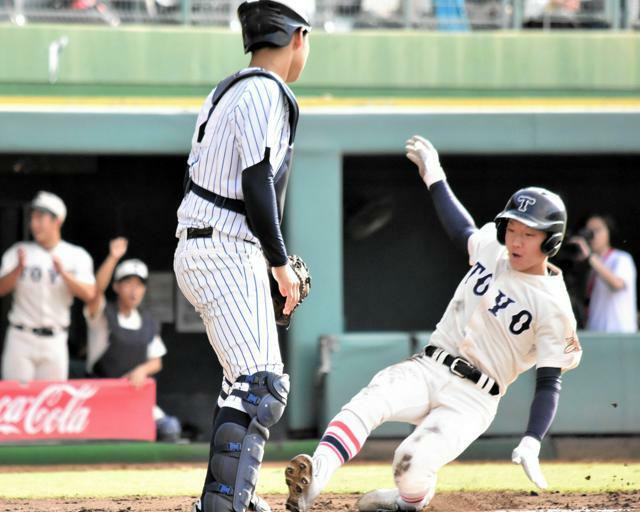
(463, 369)
(235, 205)
(39, 331)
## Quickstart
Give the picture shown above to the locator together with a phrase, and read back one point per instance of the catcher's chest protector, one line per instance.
(281, 178)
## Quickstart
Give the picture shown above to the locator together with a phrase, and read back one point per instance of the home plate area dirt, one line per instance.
(444, 502)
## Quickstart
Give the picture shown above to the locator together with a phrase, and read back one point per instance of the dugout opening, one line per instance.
(400, 269)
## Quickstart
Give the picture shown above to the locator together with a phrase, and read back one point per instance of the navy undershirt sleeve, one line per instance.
(545, 402)
(262, 210)
(454, 217)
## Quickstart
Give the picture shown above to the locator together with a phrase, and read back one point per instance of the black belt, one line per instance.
(462, 368)
(39, 331)
(235, 205)
(206, 233)
(199, 233)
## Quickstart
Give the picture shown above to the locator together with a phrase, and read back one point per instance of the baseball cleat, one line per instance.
(384, 500)
(379, 500)
(257, 504)
(298, 475)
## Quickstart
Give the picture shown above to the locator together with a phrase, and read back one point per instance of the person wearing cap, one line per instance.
(43, 276)
(228, 225)
(123, 338)
(510, 312)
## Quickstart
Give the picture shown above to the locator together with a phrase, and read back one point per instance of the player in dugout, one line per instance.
(123, 337)
(510, 312)
(44, 276)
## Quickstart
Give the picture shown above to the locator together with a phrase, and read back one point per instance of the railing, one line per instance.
(343, 15)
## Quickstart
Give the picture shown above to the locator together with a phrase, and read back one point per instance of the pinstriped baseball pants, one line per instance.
(227, 283)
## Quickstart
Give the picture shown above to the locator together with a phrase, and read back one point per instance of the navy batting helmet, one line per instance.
(537, 208)
(270, 22)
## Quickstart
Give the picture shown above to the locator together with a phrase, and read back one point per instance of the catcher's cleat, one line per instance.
(257, 504)
(384, 500)
(298, 476)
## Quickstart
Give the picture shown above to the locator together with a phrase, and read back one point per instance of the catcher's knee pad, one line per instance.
(227, 446)
(264, 401)
(266, 397)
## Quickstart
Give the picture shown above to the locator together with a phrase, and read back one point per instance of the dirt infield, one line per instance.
(445, 502)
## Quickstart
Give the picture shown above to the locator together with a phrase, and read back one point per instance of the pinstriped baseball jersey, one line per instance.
(250, 117)
(225, 276)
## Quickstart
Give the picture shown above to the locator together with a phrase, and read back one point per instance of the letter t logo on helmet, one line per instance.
(525, 201)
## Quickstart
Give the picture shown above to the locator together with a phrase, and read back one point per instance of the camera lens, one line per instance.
(586, 233)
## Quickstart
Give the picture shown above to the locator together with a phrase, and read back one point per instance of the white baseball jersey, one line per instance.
(41, 298)
(614, 310)
(504, 321)
(251, 116)
(98, 334)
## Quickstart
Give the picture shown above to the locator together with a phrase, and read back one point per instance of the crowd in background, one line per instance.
(344, 15)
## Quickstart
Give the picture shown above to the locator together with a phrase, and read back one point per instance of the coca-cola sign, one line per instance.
(77, 409)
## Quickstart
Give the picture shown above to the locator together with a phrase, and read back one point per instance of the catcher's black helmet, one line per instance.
(270, 22)
(537, 208)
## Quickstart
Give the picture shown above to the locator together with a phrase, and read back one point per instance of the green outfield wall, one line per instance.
(187, 60)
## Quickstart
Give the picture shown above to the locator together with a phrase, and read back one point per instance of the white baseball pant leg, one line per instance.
(228, 285)
(28, 357)
(449, 414)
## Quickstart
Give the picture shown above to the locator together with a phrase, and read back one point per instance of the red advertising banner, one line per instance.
(77, 409)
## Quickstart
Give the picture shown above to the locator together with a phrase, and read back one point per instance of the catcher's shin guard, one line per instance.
(224, 468)
(264, 401)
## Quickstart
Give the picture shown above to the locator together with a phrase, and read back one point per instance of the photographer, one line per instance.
(611, 287)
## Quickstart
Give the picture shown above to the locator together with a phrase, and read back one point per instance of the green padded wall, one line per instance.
(353, 360)
(598, 397)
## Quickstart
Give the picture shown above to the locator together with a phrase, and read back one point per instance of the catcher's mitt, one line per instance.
(302, 271)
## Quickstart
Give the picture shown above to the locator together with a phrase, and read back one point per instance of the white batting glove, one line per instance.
(526, 454)
(422, 153)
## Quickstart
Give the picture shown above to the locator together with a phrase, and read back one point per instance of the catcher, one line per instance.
(228, 224)
(511, 311)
